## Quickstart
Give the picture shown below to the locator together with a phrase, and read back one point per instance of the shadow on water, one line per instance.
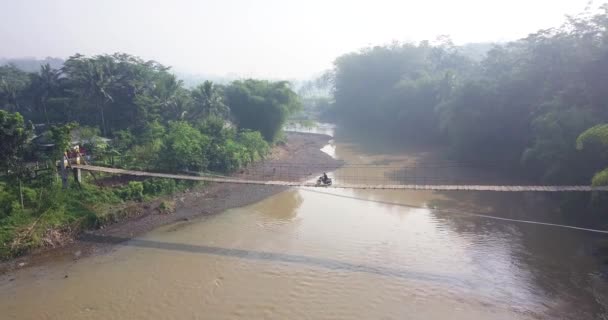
(280, 257)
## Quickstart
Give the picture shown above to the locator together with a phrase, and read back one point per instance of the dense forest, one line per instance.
(126, 112)
(524, 105)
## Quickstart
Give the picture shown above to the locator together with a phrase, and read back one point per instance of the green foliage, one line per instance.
(134, 190)
(14, 136)
(595, 140)
(600, 178)
(166, 207)
(152, 121)
(255, 145)
(397, 88)
(13, 83)
(207, 100)
(262, 105)
(97, 196)
(142, 151)
(134, 102)
(30, 197)
(216, 128)
(553, 152)
(90, 138)
(118, 91)
(166, 100)
(123, 140)
(61, 137)
(49, 208)
(158, 186)
(7, 199)
(597, 135)
(229, 150)
(184, 148)
(9, 228)
(523, 105)
(45, 84)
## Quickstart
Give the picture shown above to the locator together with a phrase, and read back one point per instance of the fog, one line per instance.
(266, 38)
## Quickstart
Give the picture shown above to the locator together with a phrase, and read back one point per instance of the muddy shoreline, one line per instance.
(301, 153)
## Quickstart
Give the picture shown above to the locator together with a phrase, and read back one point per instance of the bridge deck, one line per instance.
(500, 188)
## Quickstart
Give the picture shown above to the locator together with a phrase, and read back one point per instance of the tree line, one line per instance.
(151, 120)
(525, 104)
(147, 111)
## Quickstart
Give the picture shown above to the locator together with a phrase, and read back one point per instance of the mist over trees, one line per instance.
(524, 104)
(32, 64)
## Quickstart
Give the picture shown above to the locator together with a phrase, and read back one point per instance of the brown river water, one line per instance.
(334, 254)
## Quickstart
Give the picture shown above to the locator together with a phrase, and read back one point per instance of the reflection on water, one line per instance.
(282, 208)
(348, 254)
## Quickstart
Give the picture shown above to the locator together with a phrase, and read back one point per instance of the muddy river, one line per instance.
(335, 254)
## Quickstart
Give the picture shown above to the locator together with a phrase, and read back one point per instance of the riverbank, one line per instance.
(301, 153)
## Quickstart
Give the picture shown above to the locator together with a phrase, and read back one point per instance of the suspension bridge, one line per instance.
(362, 180)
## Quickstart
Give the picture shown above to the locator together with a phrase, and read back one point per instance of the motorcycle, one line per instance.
(324, 183)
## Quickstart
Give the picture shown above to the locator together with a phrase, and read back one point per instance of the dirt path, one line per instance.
(301, 153)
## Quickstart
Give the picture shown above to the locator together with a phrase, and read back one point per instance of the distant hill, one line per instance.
(29, 64)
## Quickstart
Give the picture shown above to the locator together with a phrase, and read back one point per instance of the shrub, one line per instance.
(183, 148)
(166, 207)
(157, 186)
(30, 197)
(6, 201)
(255, 145)
(132, 191)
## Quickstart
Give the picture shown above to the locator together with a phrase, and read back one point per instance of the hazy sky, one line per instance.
(263, 38)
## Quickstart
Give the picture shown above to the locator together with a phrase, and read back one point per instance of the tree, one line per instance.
(521, 106)
(62, 139)
(92, 79)
(14, 139)
(12, 84)
(596, 138)
(120, 91)
(262, 105)
(255, 145)
(44, 85)
(184, 148)
(166, 101)
(396, 89)
(207, 101)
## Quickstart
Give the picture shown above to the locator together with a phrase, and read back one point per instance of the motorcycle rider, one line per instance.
(324, 178)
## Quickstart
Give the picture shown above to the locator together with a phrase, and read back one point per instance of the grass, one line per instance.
(53, 215)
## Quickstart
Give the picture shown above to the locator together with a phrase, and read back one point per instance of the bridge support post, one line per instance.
(77, 175)
(64, 172)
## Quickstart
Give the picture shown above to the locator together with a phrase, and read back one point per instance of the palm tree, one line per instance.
(12, 84)
(45, 83)
(207, 101)
(93, 79)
